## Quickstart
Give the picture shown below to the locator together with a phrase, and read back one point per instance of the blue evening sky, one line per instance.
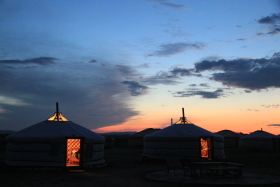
(117, 65)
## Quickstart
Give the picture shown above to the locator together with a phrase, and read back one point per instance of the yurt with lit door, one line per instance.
(258, 140)
(184, 140)
(55, 142)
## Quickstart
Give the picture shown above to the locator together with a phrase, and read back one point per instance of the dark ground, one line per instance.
(125, 168)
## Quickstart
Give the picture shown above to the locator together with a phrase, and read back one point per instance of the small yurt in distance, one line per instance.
(258, 140)
(55, 142)
(136, 140)
(184, 140)
(231, 139)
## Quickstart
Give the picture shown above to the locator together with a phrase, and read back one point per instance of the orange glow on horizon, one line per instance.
(246, 124)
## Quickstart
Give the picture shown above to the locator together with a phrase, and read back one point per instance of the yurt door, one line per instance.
(73, 152)
(206, 148)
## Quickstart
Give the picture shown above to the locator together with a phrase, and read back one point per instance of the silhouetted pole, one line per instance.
(57, 111)
(184, 120)
(171, 121)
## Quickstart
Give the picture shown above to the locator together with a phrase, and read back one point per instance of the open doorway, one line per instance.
(73, 152)
(206, 148)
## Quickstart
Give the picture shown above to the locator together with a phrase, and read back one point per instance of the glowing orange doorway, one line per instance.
(73, 153)
(206, 148)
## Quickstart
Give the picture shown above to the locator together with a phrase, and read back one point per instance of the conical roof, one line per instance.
(56, 127)
(183, 129)
(54, 130)
(259, 134)
(229, 134)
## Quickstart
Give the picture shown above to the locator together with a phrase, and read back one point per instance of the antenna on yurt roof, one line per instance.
(57, 113)
(183, 118)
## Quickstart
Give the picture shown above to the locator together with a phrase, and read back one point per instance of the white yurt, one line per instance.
(184, 140)
(231, 139)
(55, 142)
(258, 140)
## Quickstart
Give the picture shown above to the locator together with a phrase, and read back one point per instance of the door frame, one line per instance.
(81, 151)
(209, 148)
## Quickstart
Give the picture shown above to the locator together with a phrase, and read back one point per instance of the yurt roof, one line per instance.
(183, 129)
(55, 128)
(229, 134)
(144, 132)
(260, 134)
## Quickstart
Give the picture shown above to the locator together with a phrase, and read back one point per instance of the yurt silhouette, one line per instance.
(55, 142)
(231, 139)
(184, 140)
(258, 140)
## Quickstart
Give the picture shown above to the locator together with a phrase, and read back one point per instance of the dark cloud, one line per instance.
(38, 61)
(170, 5)
(183, 72)
(274, 18)
(169, 78)
(89, 94)
(204, 94)
(204, 85)
(271, 106)
(276, 125)
(175, 48)
(274, 23)
(135, 88)
(252, 74)
(224, 65)
(92, 61)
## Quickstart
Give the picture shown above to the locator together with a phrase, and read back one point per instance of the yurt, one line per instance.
(136, 140)
(231, 139)
(184, 140)
(258, 140)
(55, 142)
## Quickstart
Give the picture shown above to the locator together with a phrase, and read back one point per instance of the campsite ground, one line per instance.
(125, 168)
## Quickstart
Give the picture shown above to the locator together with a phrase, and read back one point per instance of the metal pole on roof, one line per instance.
(57, 111)
(184, 119)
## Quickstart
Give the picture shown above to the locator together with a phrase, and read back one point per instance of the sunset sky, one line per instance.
(128, 65)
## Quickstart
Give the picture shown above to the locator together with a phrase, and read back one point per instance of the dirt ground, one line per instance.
(125, 168)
